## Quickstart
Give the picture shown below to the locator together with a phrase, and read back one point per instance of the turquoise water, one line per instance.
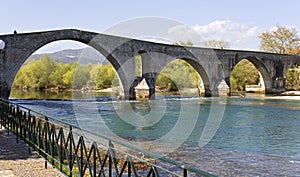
(253, 136)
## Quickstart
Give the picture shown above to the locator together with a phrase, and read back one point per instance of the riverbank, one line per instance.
(291, 93)
(16, 161)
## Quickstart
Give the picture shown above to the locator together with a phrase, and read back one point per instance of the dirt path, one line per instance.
(16, 161)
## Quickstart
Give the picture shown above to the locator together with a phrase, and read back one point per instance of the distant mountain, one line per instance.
(83, 56)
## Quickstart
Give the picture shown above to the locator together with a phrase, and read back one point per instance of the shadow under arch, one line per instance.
(262, 69)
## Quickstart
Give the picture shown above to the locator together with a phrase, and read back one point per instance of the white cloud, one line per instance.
(183, 33)
(239, 36)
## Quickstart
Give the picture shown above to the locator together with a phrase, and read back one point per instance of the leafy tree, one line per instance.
(292, 78)
(217, 44)
(281, 40)
(244, 73)
(177, 74)
(81, 76)
(69, 75)
(36, 74)
(45, 66)
(105, 76)
(295, 51)
(57, 76)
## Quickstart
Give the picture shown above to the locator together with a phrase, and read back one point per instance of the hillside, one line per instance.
(83, 56)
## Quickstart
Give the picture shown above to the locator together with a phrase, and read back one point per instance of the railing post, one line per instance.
(46, 132)
(60, 135)
(1, 114)
(94, 161)
(110, 159)
(24, 127)
(129, 169)
(53, 143)
(70, 157)
(17, 124)
(81, 156)
(29, 128)
(184, 172)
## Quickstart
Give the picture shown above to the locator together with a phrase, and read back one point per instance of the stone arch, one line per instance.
(199, 69)
(263, 70)
(69, 35)
(38, 40)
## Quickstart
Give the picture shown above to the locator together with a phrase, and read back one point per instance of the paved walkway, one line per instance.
(15, 160)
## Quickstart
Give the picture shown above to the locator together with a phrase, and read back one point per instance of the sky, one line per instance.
(237, 22)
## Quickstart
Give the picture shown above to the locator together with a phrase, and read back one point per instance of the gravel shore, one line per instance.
(16, 161)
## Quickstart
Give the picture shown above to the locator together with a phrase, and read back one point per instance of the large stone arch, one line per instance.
(35, 41)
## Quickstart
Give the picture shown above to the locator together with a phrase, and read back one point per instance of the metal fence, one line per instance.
(62, 145)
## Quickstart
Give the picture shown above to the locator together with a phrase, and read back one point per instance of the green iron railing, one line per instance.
(55, 141)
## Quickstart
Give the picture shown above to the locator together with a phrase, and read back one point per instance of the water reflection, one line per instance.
(55, 95)
(141, 108)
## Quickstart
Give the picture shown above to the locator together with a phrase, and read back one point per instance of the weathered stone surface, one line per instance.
(213, 65)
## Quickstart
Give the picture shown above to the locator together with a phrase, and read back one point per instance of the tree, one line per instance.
(105, 76)
(176, 75)
(292, 78)
(81, 76)
(45, 66)
(187, 44)
(244, 73)
(281, 40)
(36, 74)
(295, 51)
(69, 75)
(217, 44)
(57, 76)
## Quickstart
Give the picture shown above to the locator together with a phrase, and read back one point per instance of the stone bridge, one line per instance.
(213, 65)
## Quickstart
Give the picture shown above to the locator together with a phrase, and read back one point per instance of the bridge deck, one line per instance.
(16, 161)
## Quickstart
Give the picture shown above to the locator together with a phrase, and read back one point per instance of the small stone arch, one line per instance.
(263, 70)
(199, 69)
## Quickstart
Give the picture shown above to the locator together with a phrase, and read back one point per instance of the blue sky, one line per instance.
(238, 22)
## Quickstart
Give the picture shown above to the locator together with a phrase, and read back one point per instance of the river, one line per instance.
(251, 136)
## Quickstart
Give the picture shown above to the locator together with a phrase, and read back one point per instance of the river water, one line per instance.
(251, 136)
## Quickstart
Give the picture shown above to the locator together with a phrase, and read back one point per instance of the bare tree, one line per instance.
(217, 44)
(281, 40)
(188, 43)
